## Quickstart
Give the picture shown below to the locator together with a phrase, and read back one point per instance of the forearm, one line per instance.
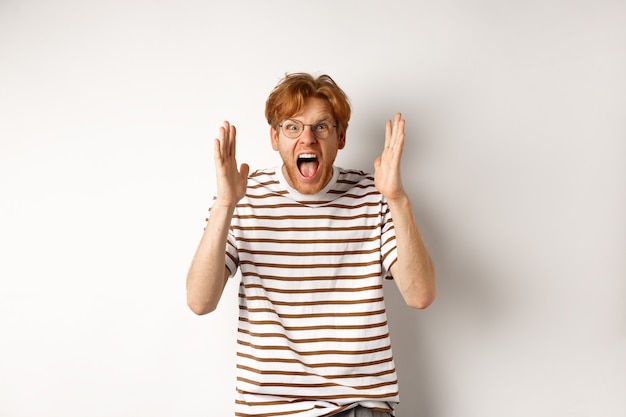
(207, 274)
(413, 271)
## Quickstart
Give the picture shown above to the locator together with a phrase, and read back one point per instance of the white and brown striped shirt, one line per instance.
(312, 336)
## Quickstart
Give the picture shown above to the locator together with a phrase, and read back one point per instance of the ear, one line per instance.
(274, 138)
(341, 141)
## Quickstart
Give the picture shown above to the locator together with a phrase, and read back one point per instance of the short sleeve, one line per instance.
(231, 254)
(388, 248)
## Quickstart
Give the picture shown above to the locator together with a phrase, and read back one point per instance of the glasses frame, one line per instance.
(304, 125)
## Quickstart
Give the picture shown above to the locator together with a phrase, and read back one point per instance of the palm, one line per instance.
(231, 182)
(387, 166)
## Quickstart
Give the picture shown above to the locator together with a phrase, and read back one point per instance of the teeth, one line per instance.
(308, 156)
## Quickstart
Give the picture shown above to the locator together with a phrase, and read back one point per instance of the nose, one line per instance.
(307, 135)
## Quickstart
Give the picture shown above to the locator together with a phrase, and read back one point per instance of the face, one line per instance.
(307, 160)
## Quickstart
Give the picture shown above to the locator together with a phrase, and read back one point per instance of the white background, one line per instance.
(516, 161)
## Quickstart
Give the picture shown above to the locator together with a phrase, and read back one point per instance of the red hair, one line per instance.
(287, 98)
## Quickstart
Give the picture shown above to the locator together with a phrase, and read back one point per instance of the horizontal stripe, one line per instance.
(315, 327)
(313, 290)
(307, 278)
(318, 364)
(318, 385)
(307, 217)
(317, 302)
(314, 352)
(310, 266)
(335, 397)
(308, 374)
(317, 339)
(305, 229)
(316, 253)
(308, 241)
(286, 205)
(314, 202)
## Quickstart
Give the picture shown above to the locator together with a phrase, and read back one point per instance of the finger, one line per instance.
(223, 138)
(388, 134)
(226, 138)
(397, 124)
(393, 130)
(219, 147)
(217, 152)
(397, 117)
(399, 146)
(398, 130)
(399, 137)
(228, 134)
(233, 141)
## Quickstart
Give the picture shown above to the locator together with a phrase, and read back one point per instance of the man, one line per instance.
(313, 242)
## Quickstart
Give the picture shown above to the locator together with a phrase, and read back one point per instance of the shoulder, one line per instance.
(263, 178)
(350, 179)
(354, 177)
(263, 183)
(262, 175)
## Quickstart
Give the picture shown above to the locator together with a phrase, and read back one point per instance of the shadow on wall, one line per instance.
(464, 303)
(463, 295)
(416, 379)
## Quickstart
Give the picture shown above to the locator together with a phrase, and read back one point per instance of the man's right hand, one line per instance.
(231, 183)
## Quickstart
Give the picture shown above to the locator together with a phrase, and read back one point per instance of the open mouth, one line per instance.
(308, 165)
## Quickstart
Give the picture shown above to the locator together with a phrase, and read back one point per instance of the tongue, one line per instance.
(308, 168)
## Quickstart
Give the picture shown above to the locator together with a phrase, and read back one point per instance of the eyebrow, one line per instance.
(314, 123)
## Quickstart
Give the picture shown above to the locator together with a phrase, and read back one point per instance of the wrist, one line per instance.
(399, 198)
(227, 205)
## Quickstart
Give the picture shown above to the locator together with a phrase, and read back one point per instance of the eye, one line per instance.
(291, 127)
(321, 127)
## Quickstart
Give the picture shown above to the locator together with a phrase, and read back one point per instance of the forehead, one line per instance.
(314, 109)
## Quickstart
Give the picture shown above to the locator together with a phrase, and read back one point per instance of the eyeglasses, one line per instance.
(294, 128)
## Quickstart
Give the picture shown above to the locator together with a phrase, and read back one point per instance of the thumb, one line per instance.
(377, 163)
(244, 170)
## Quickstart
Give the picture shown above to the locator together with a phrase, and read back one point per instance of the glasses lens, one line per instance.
(292, 128)
(321, 130)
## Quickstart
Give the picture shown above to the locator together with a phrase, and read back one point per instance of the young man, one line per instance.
(314, 243)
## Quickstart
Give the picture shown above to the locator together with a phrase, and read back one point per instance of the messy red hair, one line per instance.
(287, 98)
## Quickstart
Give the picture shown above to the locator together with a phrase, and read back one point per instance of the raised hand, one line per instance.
(387, 166)
(231, 183)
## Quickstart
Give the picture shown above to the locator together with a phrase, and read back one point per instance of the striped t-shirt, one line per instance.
(312, 335)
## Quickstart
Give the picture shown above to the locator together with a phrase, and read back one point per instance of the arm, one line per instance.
(413, 271)
(208, 274)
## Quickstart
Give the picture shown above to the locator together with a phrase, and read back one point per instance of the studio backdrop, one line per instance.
(515, 160)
